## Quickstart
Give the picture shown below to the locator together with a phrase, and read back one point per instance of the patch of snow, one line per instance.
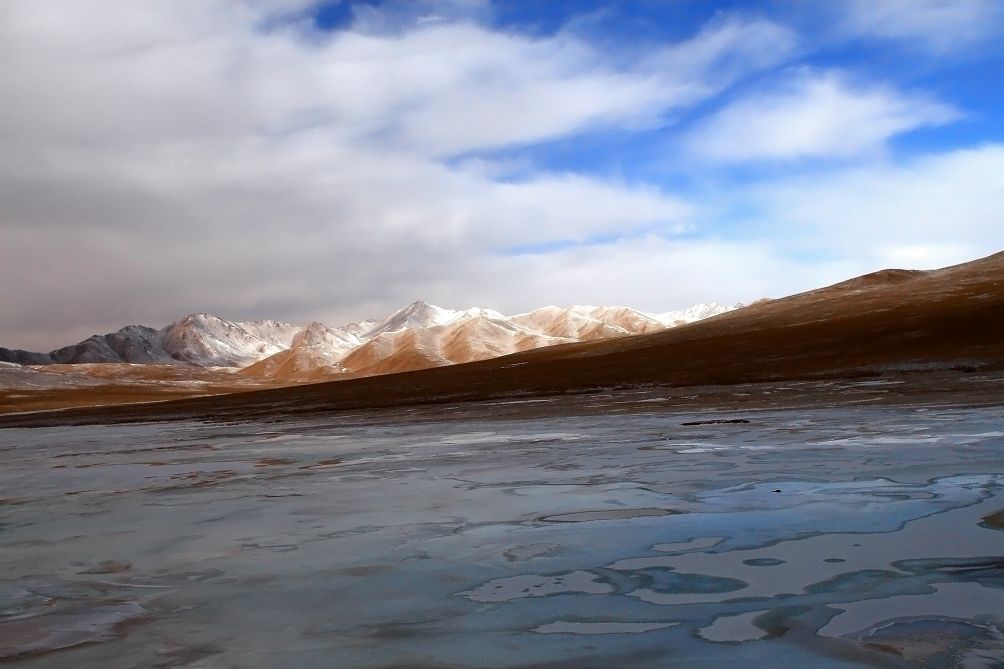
(695, 313)
(417, 315)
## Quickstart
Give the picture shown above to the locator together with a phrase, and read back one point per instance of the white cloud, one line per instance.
(939, 26)
(726, 48)
(928, 212)
(658, 274)
(791, 234)
(814, 115)
(158, 158)
(157, 71)
(161, 157)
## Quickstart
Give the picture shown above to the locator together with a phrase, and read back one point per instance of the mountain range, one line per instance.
(419, 336)
(904, 334)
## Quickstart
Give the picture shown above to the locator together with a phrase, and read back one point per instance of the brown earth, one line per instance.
(66, 385)
(946, 322)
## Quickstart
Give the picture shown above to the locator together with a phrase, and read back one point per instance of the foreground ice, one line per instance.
(826, 538)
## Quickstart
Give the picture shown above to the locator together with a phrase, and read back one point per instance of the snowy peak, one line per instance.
(478, 312)
(417, 315)
(587, 322)
(274, 332)
(319, 335)
(314, 353)
(695, 313)
(210, 341)
(359, 329)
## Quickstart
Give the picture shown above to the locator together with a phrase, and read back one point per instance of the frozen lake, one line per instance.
(839, 537)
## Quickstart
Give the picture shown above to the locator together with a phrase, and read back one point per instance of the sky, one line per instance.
(334, 161)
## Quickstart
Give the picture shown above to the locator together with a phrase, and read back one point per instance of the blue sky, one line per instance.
(332, 161)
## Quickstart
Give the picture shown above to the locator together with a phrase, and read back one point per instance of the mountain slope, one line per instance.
(209, 341)
(314, 353)
(948, 319)
(201, 340)
(132, 344)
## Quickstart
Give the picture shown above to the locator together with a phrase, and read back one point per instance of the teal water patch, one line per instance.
(665, 581)
(868, 580)
(763, 562)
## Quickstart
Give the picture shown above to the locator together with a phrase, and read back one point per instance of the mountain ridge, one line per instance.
(416, 336)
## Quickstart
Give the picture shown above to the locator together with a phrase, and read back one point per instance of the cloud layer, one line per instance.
(159, 158)
(939, 26)
(814, 115)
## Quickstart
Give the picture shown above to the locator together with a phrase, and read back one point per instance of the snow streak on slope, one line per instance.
(313, 354)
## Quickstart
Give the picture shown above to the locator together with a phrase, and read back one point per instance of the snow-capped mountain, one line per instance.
(695, 313)
(208, 341)
(320, 336)
(315, 351)
(418, 336)
(202, 340)
(583, 323)
(422, 335)
(416, 316)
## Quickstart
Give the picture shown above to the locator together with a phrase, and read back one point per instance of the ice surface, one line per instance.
(857, 539)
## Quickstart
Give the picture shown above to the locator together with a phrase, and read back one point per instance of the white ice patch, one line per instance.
(568, 627)
(733, 629)
(533, 585)
(495, 437)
